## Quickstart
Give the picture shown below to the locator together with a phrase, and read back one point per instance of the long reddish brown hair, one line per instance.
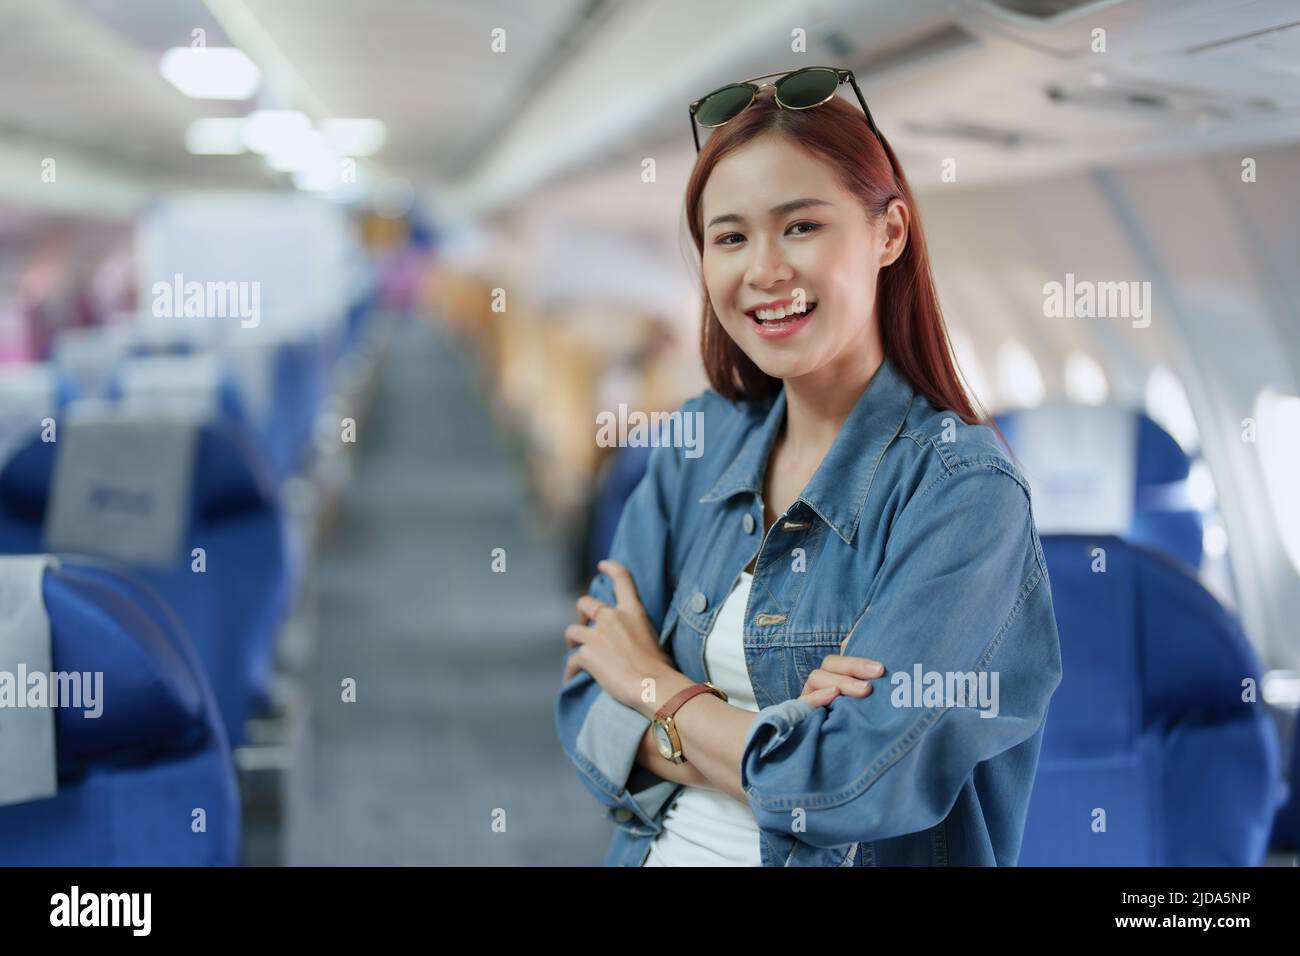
(912, 330)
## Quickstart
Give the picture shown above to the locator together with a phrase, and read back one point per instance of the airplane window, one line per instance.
(1200, 486)
(1085, 382)
(1167, 404)
(1281, 688)
(1214, 540)
(1020, 381)
(1278, 418)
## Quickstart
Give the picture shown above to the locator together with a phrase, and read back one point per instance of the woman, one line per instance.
(852, 559)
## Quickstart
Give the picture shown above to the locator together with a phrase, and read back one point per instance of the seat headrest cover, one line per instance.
(1081, 463)
(29, 395)
(33, 385)
(28, 762)
(121, 487)
(191, 383)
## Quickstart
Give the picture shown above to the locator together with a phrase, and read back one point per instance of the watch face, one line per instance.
(662, 742)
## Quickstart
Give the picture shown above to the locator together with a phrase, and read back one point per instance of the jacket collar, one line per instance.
(838, 489)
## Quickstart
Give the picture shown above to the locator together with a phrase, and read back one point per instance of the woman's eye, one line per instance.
(812, 227)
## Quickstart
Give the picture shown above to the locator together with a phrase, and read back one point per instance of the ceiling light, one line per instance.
(211, 73)
(299, 153)
(272, 131)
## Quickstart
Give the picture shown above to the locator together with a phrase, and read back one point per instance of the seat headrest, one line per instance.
(231, 476)
(197, 383)
(29, 395)
(1107, 470)
(88, 356)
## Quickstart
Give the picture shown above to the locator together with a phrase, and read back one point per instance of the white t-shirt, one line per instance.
(708, 827)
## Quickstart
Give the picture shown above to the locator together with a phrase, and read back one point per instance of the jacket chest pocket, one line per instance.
(808, 650)
(806, 658)
(804, 854)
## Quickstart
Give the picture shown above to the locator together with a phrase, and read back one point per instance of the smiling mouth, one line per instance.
(787, 316)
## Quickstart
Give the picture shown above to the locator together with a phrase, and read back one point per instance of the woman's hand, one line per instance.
(622, 649)
(840, 674)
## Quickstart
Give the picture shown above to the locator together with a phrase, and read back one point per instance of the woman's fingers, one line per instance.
(624, 588)
(824, 685)
(625, 594)
(862, 667)
(820, 697)
(846, 674)
(572, 665)
(844, 683)
(573, 662)
(576, 634)
(587, 608)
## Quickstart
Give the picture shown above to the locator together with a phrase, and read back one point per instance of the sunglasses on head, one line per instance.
(796, 90)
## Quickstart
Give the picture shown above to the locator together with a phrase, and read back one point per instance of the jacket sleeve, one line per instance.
(962, 590)
(600, 735)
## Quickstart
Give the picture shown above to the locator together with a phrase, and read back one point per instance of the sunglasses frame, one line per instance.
(843, 75)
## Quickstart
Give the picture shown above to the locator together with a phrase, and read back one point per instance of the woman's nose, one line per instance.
(768, 267)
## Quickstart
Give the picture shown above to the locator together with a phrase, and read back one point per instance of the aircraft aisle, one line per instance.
(454, 665)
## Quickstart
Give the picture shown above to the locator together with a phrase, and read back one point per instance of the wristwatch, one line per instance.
(665, 728)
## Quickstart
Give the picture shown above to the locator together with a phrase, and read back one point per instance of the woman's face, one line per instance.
(759, 250)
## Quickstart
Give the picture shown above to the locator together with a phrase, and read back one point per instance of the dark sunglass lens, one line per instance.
(722, 105)
(807, 87)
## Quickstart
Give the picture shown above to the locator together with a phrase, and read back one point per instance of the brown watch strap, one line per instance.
(681, 697)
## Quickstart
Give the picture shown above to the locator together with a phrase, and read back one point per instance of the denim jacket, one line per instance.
(915, 539)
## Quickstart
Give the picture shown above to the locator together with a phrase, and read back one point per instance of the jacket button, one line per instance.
(699, 602)
(748, 523)
(622, 815)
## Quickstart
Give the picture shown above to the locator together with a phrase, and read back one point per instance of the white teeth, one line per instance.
(775, 315)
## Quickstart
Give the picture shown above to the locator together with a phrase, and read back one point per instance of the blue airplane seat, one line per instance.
(277, 398)
(89, 355)
(47, 377)
(298, 392)
(131, 780)
(187, 376)
(66, 389)
(233, 610)
(1162, 517)
(28, 394)
(1150, 755)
